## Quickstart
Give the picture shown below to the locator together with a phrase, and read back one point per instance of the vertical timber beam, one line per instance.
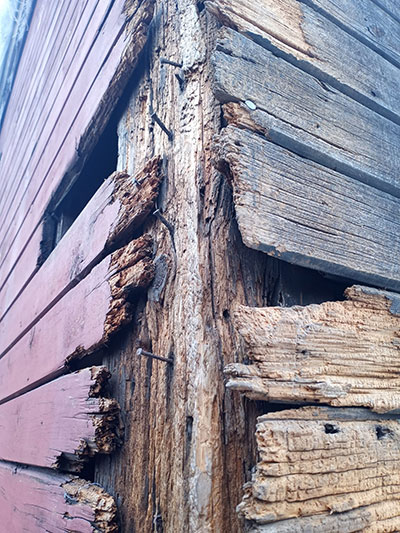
(187, 445)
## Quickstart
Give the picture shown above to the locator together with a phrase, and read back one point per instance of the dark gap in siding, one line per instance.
(287, 285)
(99, 165)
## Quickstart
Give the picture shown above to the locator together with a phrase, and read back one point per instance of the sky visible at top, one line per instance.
(7, 9)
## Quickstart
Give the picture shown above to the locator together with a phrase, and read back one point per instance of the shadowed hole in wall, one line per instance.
(99, 165)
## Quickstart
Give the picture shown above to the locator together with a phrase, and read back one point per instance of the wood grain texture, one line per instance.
(304, 37)
(64, 421)
(306, 214)
(76, 129)
(327, 470)
(297, 111)
(117, 209)
(48, 77)
(38, 500)
(82, 321)
(336, 353)
(392, 8)
(368, 22)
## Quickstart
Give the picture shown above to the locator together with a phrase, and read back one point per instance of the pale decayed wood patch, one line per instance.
(338, 353)
(325, 470)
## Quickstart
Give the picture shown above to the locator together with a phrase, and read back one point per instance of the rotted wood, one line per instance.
(309, 215)
(310, 117)
(82, 321)
(62, 423)
(117, 209)
(325, 470)
(339, 353)
(298, 32)
(39, 500)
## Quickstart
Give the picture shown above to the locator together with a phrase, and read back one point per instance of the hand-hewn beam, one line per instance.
(339, 353)
(325, 470)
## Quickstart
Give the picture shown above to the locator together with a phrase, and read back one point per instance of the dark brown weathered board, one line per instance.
(326, 470)
(82, 321)
(118, 208)
(293, 30)
(63, 421)
(39, 500)
(338, 353)
(81, 119)
(307, 214)
(297, 111)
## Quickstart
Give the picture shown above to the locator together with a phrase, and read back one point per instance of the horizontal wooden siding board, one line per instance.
(297, 111)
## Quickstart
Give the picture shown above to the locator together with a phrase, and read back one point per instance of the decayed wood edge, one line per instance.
(131, 268)
(38, 500)
(118, 208)
(138, 15)
(137, 205)
(106, 423)
(80, 492)
(110, 287)
(69, 417)
(284, 28)
(338, 517)
(296, 379)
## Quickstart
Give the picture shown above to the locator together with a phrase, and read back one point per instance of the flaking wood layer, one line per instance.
(342, 353)
(325, 470)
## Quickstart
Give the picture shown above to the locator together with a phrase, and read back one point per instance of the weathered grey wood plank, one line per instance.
(391, 7)
(61, 423)
(38, 500)
(366, 21)
(343, 353)
(300, 34)
(330, 470)
(303, 213)
(299, 112)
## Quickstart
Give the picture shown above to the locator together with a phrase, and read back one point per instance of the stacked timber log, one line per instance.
(308, 147)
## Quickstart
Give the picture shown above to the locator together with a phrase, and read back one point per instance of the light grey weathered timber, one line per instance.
(306, 214)
(301, 35)
(308, 116)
